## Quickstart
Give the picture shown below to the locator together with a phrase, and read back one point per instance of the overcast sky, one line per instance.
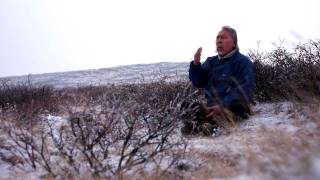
(40, 36)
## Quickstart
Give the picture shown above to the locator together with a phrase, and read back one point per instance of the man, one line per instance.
(228, 80)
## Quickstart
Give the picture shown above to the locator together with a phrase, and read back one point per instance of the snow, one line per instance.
(117, 75)
(54, 123)
(4, 170)
(264, 118)
(315, 170)
(9, 172)
(271, 116)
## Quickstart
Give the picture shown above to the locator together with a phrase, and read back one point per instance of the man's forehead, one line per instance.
(224, 32)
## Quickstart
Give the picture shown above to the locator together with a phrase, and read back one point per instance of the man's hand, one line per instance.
(214, 110)
(197, 56)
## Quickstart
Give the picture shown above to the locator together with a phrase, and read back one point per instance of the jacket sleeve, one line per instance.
(244, 83)
(198, 74)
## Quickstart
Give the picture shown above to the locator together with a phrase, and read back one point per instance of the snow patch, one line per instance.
(4, 170)
(315, 170)
(53, 124)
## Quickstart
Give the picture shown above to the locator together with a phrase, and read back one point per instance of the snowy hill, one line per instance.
(116, 75)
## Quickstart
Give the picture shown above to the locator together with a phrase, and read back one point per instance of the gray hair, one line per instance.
(233, 33)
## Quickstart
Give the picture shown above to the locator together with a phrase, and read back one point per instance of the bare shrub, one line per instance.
(288, 75)
(135, 126)
(26, 144)
(25, 96)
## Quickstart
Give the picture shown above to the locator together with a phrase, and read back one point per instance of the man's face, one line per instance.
(224, 43)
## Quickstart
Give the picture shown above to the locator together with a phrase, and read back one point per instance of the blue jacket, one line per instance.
(225, 80)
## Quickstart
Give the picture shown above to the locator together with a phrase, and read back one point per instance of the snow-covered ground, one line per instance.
(116, 75)
(280, 141)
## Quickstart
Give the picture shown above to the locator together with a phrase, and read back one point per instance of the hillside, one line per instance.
(116, 75)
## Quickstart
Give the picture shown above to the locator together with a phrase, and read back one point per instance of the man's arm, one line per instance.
(197, 74)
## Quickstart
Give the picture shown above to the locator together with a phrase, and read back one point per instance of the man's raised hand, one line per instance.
(197, 56)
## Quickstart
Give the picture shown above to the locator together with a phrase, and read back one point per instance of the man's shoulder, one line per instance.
(241, 58)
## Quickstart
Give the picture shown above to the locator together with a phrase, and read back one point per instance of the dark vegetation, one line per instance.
(109, 130)
(285, 75)
(132, 124)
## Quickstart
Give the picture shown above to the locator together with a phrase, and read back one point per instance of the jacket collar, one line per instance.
(228, 55)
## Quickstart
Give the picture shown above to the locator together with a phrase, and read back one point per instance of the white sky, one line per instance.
(39, 36)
